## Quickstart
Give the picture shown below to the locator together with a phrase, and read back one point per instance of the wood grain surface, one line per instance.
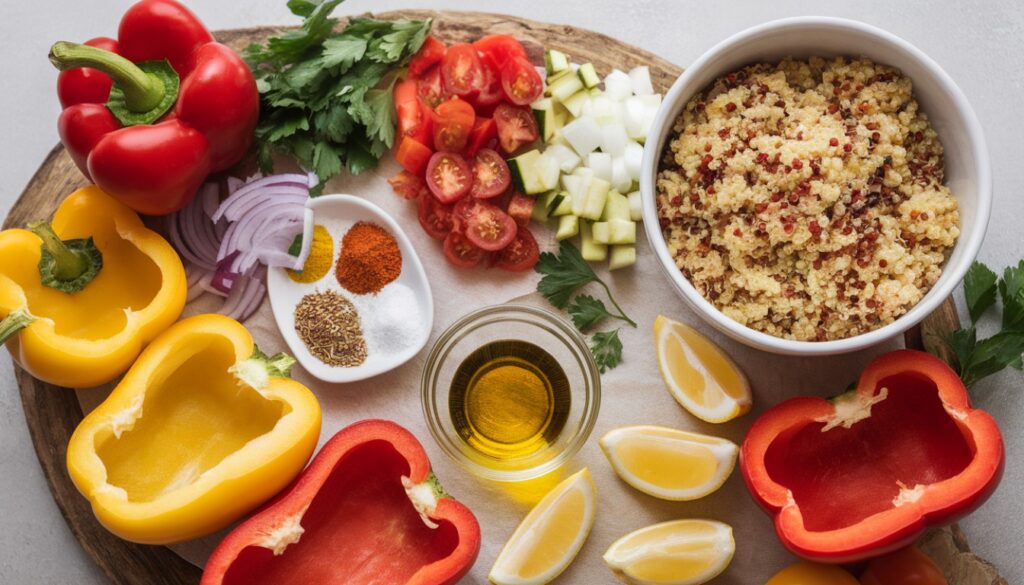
(53, 413)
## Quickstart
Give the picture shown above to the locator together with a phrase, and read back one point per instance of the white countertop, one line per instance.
(981, 48)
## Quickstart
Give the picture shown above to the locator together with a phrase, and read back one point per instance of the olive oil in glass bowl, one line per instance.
(511, 392)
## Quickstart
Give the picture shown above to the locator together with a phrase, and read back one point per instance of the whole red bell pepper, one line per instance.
(367, 510)
(865, 473)
(147, 117)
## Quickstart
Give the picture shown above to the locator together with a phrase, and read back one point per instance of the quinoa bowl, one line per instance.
(928, 138)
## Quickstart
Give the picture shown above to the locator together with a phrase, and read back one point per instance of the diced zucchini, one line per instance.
(542, 209)
(601, 164)
(595, 91)
(617, 85)
(588, 75)
(533, 173)
(568, 226)
(589, 249)
(597, 196)
(617, 207)
(621, 231)
(583, 134)
(560, 205)
(562, 88)
(548, 174)
(622, 256)
(636, 208)
(567, 159)
(547, 122)
(553, 77)
(576, 102)
(600, 231)
(555, 61)
(640, 77)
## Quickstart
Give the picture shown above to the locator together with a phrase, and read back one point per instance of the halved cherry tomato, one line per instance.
(516, 127)
(453, 121)
(429, 55)
(490, 228)
(520, 208)
(521, 254)
(490, 174)
(483, 132)
(412, 155)
(460, 251)
(407, 185)
(434, 216)
(501, 48)
(430, 88)
(909, 566)
(521, 82)
(461, 71)
(449, 176)
(413, 116)
(491, 92)
(461, 213)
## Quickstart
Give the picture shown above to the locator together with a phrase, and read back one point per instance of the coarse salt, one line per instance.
(391, 319)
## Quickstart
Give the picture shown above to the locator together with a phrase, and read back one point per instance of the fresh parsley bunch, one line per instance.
(978, 359)
(324, 95)
(566, 272)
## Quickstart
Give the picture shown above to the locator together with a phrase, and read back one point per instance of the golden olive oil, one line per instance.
(509, 399)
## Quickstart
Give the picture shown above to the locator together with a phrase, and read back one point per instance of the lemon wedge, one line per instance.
(550, 536)
(698, 374)
(680, 552)
(669, 464)
(804, 573)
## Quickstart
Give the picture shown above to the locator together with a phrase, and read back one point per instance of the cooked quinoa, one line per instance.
(805, 199)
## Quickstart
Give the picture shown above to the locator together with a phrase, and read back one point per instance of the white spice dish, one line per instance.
(338, 213)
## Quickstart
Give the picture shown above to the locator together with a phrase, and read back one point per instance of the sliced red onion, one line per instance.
(238, 197)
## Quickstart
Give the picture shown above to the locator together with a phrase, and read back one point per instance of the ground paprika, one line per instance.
(369, 259)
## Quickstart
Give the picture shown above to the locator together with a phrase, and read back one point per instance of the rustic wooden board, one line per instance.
(53, 413)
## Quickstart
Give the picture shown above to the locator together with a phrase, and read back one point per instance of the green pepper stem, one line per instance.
(68, 265)
(14, 322)
(142, 91)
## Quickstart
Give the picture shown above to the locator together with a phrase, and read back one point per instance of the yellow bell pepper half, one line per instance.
(201, 430)
(88, 337)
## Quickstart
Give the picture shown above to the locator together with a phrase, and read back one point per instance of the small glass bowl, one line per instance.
(502, 323)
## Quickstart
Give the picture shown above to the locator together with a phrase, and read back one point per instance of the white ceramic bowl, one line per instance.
(968, 174)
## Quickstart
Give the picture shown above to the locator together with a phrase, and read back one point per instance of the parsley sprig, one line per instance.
(326, 98)
(566, 272)
(979, 359)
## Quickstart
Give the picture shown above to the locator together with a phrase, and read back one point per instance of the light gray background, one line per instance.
(980, 44)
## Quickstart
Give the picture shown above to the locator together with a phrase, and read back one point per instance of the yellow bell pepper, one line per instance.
(76, 312)
(202, 429)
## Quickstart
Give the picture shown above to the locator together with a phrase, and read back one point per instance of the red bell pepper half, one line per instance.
(865, 473)
(149, 116)
(366, 510)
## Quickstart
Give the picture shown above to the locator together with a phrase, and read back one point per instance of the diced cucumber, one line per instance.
(622, 256)
(614, 139)
(542, 208)
(597, 196)
(553, 77)
(636, 208)
(576, 188)
(560, 205)
(533, 173)
(634, 158)
(640, 78)
(567, 159)
(617, 85)
(621, 231)
(548, 174)
(583, 134)
(555, 61)
(589, 249)
(547, 123)
(601, 164)
(562, 88)
(588, 75)
(617, 207)
(575, 103)
(568, 226)
(595, 91)
(620, 179)
(600, 231)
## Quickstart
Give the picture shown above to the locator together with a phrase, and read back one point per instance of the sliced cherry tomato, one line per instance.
(491, 92)
(453, 122)
(430, 88)
(461, 71)
(413, 116)
(490, 228)
(449, 176)
(434, 216)
(482, 136)
(516, 127)
(407, 185)
(490, 174)
(412, 155)
(429, 55)
(501, 48)
(521, 254)
(460, 251)
(461, 213)
(520, 208)
(909, 566)
(521, 82)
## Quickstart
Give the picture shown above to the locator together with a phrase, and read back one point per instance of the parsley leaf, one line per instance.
(1011, 290)
(586, 311)
(563, 274)
(979, 290)
(607, 349)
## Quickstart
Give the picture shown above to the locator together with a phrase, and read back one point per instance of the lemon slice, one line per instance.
(698, 374)
(680, 552)
(669, 464)
(550, 536)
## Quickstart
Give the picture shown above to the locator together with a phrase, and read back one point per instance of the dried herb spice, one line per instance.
(329, 326)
